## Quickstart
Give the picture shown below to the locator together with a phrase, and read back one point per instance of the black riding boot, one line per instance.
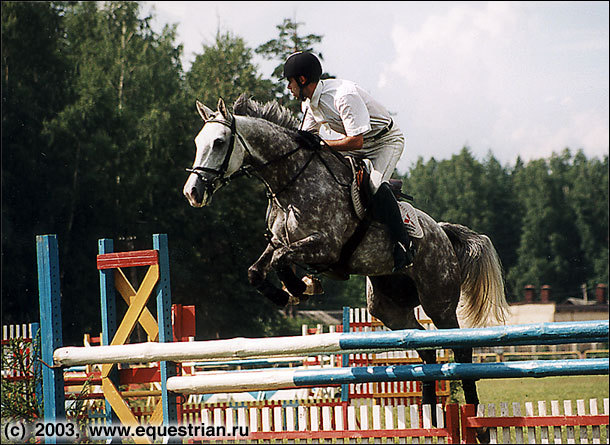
(385, 210)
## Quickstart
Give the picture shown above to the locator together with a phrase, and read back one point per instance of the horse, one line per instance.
(456, 275)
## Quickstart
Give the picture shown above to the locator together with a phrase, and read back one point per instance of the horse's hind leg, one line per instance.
(448, 320)
(392, 299)
(386, 303)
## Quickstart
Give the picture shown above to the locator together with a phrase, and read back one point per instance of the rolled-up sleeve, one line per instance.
(354, 114)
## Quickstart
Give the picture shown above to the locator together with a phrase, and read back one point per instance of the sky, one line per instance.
(512, 79)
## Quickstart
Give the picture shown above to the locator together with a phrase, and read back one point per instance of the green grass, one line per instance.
(547, 388)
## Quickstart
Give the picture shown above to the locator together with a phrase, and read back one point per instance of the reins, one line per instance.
(248, 170)
(253, 168)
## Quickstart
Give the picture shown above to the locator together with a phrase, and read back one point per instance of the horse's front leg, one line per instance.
(257, 276)
(315, 250)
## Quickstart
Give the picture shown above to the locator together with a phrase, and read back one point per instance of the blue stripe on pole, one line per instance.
(537, 333)
(450, 371)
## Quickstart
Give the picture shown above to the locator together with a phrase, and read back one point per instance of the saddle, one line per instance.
(361, 194)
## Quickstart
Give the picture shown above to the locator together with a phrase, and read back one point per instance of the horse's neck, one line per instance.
(271, 151)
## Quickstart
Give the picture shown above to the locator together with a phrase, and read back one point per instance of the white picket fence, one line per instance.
(9, 332)
(336, 424)
(342, 423)
(539, 424)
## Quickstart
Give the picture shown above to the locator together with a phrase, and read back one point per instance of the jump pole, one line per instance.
(338, 343)
(242, 381)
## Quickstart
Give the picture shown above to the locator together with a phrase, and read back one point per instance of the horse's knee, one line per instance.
(374, 304)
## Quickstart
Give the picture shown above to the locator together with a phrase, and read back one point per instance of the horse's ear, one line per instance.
(205, 112)
(223, 109)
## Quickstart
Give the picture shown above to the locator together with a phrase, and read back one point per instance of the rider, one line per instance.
(368, 132)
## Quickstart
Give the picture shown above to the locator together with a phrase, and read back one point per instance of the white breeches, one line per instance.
(384, 154)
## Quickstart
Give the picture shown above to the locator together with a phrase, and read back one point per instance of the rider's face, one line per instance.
(294, 88)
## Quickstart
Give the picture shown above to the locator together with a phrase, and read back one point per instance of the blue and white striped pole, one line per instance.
(337, 343)
(262, 380)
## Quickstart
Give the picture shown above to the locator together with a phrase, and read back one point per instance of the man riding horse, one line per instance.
(310, 218)
(368, 133)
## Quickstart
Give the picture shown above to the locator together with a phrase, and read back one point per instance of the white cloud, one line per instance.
(516, 78)
(483, 75)
(447, 47)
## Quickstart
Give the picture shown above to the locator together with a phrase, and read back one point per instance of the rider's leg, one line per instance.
(385, 210)
(384, 155)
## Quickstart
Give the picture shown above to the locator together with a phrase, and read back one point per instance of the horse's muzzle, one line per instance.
(197, 192)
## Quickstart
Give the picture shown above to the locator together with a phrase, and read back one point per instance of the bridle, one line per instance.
(210, 183)
(248, 170)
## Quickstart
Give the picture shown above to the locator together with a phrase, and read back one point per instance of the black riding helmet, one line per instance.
(303, 64)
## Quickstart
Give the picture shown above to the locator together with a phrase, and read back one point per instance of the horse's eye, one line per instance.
(218, 142)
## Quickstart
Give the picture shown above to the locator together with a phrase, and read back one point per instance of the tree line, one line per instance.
(98, 121)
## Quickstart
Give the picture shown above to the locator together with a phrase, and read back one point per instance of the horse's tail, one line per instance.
(482, 300)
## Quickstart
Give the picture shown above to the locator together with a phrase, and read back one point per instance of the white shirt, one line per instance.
(345, 108)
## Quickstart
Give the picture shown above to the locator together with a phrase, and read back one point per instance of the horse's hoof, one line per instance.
(313, 287)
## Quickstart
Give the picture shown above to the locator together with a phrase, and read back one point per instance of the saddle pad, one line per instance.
(410, 219)
(407, 211)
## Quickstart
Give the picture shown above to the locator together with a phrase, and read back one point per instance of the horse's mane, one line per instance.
(271, 111)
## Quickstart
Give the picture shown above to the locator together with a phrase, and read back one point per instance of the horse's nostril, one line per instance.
(195, 195)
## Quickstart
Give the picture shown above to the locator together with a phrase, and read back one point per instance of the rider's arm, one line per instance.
(347, 143)
(356, 121)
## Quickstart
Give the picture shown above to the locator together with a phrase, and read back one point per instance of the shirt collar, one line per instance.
(315, 97)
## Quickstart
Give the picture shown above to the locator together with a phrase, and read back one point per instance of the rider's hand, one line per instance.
(310, 140)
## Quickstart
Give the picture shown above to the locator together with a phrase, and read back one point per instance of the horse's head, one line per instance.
(217, 157)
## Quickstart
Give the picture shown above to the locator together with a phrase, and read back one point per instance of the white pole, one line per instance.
(203, 350)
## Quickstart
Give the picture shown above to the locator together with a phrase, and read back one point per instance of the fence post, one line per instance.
(468, 433)
(164, 317)
(345, 357)
(452, 422)
(50, 329)
(109, 318)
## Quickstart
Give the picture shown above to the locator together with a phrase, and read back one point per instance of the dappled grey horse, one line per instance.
(311, 216)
